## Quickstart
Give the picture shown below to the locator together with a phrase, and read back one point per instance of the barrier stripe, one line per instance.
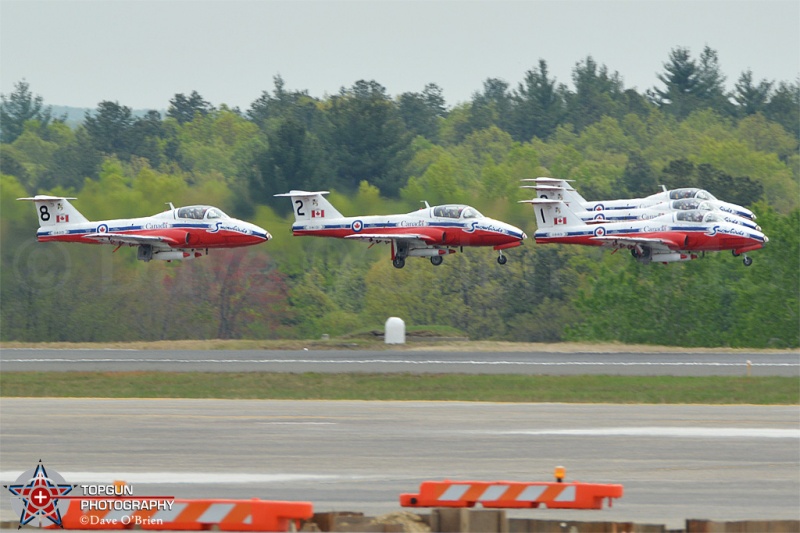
(510, 494)
(567, 494)
(531, 493)
(169, 515)
(454, 493)
(215, 513)
(493, 492)
(225, 515)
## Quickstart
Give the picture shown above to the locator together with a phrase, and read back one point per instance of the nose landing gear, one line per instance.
(746, 260)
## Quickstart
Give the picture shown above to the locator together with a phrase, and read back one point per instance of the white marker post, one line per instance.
(395, 332)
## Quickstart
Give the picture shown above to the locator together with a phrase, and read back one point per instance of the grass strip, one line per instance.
(420, 387)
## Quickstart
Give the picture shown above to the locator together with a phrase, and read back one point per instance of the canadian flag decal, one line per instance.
(317, 213)
(62, 218)
(560, 220)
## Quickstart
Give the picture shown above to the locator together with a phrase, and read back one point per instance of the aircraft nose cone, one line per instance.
(766, 239)
(260, 232)
(524, 236)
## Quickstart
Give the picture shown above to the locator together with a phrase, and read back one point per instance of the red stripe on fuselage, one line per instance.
(176, 238)
(694, 240)
(438, 235)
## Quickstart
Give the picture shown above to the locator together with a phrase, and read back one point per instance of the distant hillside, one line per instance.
(75, 115)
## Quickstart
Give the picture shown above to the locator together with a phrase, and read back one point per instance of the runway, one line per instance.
(472, 362)
(675, 461)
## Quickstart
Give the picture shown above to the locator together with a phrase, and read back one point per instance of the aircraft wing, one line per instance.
(644, 241)
(133, 240)
(387, 237)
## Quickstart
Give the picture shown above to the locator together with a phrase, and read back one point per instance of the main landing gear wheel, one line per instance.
(502, 260)
(747, 261)
(436, 260)
(399, 262)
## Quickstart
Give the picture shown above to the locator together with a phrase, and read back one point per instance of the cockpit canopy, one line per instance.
(697, 215)
(200, 212)
(456, 211)
(691, 203)
(690, 192)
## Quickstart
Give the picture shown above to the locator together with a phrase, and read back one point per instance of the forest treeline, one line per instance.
(385, 154)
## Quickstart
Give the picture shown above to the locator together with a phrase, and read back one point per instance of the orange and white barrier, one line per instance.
(511, 494)
(190, 515)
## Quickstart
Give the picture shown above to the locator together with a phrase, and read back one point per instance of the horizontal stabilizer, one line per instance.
(45, 197)
(540, 201)
(544, 180)
(543, 187)
(301, 194)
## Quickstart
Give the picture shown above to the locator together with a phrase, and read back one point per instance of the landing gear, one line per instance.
(436, 260)
(399, 262)
(145, 253)
(642, 254)
(746, 260)
(501, 259)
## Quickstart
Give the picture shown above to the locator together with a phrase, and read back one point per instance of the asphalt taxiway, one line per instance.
(675, 461)
(686, 363)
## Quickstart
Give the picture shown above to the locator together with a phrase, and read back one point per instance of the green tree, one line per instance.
(712, 83)
(682, 84)
(751, 98)
(367, 138)
(639, 179)
(292, 159)
(19, 107)
(185, 109)
(539, 105)
(73, 163)
(597, 94)
(784, 107)
(270, 110)
(109, 129)
(423, 112)
(491, 107)
(146, 137)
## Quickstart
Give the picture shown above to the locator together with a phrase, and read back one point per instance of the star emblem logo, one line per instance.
(36, 495)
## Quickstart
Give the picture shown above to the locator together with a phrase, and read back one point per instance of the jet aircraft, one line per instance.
(429, 232)
(176, 234)
(562, 190)
(640, 213)
(668, 238)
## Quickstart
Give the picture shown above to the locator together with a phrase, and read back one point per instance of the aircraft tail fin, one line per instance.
(555, 189)
(311, 206)
(53, 210)
(554, 213)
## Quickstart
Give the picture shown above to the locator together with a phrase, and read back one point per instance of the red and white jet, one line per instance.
(558, 189)
(667, 238)
(640, 213)
(429, 232)
(176, 234)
